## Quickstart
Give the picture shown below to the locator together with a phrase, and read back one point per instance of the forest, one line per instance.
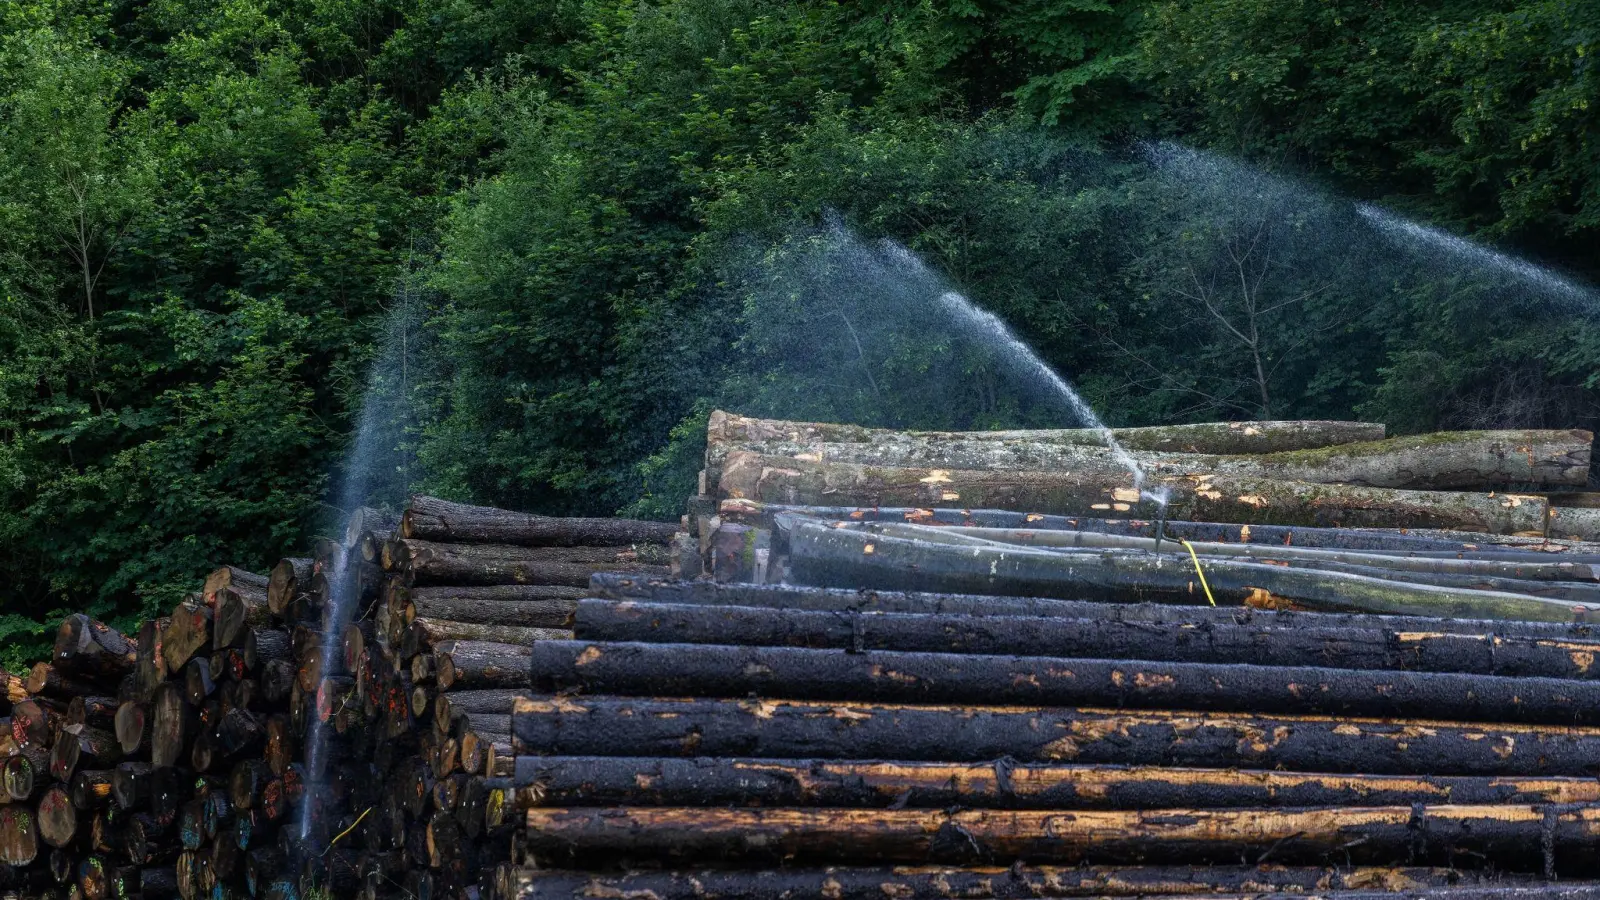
(262, 260)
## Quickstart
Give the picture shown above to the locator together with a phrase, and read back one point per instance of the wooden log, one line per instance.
(35, 722)
(93, 650)
(428, 518)
(91, 789)
(1207, 437)
(1467, 460)
(607, 726)
(1253, 642)
(474, 665)
(25, 775)
(368, 520)
(1018, 882)
(495, 702)
(98, 712)
(426, 633)
(624, 587)
(197, 681)
(158, 882)
(19, 836)
(492, 564)
(130, 783)
(46, 680)
(1200, 497)
(236, 613)
(79, 746)
(526, 614)
(797, 673)
(188, 635)
(1506, 833)
(58, 819)
(150, 662)
(833, 557)
(287, 579)
(486, 594)
(636, 781)
(231, 577)
(173, 725)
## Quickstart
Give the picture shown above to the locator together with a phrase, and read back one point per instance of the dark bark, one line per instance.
(91, 788)
(263, 645)
(130, 784)
(81, 747)
(287, 580)
(282, 743)
(425, 633)
(27, 774)
(428, 518)
(236, 612)
(45, 680)
(99, 712)
(35, 722)
(197, 681)
(625, 587)
(1255, 641)
(93, 650)
(188, 635)
(609, 726)
(1002, 784)
(172, 726)
(474, 665)
(527, 614)
(235, 578)
(706, 670)
(494, 564)
(1000, 883)
(150, 666)
(825, 557)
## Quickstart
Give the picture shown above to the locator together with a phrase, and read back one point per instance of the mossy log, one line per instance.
(1206, 437)
(1261, 642)
(611, 726)
(1200, 497)
(1467, 460)
(488, 564)
(834, 557)
(1017, 882)
(1425, 834)
(557, 781)
(797, 673)
(626, 587)
(428, 518)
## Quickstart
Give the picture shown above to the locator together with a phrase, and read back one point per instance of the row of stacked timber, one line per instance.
(744, 742)
(1341, 474)
(326, 728)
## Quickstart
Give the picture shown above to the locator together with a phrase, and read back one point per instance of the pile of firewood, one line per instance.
(327, 726)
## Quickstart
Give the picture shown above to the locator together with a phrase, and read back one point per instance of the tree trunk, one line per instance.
(1208, 437)
(1261, 642)
(172, 727)
(94, 650)
(825, 556)
(50, 681)
(705, 670)
(130, 784)
(1468, 460)
(79, 746)
(491, 564)
(688, 728)
(99, 712)
(150, 665)
(717, 596)
(91, 789)
(524, 613)
(1017, 882)
(289, 577)
(263, 645)
(474, 665)
(633, 781)
(235, 578)
(432, 519)
(1222, 498)
(425, 633)
(235, 613)
(27, 774)
(188, 635)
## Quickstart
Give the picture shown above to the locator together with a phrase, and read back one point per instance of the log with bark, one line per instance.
(1202, 497)
(94, 650)
(612, 726)
(1256, 641)
(450, 604)
(826, 556)
(1467, 460)
(1210, 437)
(505, 564)
(431, 519)
(1021, 882)
(288, 579)
(556, 781)
(1437, 834)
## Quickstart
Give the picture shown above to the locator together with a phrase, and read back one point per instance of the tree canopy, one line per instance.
(563, 230)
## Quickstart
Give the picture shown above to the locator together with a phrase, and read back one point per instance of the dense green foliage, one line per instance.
(603, 217)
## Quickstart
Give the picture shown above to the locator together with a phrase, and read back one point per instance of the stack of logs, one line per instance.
(1323, 474)
(755, 742)
(325, 727)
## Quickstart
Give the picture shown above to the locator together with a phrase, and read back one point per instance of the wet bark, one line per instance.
(493, 564)
(428, 518)
(94, 650)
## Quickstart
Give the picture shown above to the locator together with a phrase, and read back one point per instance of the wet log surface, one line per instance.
(428, 518)
(608, 726)
(556, 781)
(706, 670)
(1428, 834)
(1262, 641)
(491, 564)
